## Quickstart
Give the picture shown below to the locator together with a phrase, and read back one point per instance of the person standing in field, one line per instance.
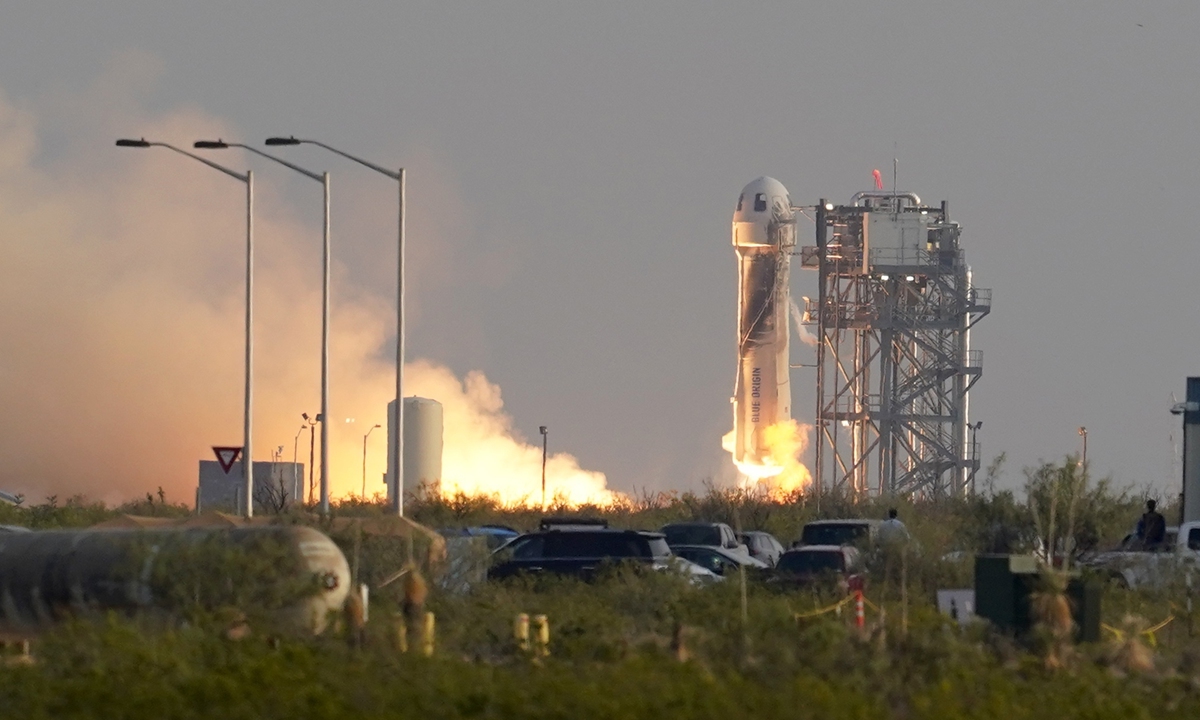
(893, 546)
(892, 531)
(1153, 527)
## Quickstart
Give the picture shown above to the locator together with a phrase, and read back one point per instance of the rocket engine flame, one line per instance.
(782, 473)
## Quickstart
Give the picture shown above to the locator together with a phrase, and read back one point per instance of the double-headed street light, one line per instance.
(322, 178)
(398, 419)
(248, 178)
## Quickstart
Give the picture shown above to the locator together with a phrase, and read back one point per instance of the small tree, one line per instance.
(273, 495)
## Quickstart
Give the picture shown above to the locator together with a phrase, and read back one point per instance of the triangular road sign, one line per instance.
(227, 456)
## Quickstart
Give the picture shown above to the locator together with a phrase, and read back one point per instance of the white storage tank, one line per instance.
(423, 423)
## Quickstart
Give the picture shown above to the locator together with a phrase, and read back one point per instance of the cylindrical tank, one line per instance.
(48, 576)
(423, 423)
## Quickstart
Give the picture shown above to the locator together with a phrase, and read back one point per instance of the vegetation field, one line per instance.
(637, 644)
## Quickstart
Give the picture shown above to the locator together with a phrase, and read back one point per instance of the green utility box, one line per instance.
(1004, 584)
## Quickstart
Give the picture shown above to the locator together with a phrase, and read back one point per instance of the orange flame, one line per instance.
(784, 474)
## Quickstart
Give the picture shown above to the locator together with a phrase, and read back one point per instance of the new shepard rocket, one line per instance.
(764, 235)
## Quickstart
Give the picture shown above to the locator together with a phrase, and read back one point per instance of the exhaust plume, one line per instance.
(800, 320)
(784, 474)
(121, 309)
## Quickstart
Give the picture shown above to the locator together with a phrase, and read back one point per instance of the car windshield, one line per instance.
(810, 563)
(834, 533)
(692, 535)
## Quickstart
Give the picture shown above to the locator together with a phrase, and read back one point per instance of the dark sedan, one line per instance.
(578, 552)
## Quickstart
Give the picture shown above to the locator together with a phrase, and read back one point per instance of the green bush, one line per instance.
(616, 642)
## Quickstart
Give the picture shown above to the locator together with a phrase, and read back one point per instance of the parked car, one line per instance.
(578, 552)
(495, 535)
(1176, 560)
(703, 533)
(858, 532)
(762, 546)
(719, 560)
(839, 564)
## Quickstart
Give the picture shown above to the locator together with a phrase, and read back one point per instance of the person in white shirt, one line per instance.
(892, 530)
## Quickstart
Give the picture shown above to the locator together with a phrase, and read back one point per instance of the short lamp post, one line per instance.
(974, 428)
(364, 473)
(1083, 458)
(545, 444)
(311, 423)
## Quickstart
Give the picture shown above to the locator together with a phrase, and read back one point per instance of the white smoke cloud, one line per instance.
(121, 313)
(800, 321)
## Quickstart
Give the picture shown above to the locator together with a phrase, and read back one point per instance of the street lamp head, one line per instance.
(542, 429)
(210, 144)
(376, 426)
(126, 142)
(304, 415)
(282, 141)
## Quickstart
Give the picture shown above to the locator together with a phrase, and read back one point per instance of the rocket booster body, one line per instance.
(764, 236)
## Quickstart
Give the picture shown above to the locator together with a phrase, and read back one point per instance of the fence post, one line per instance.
(521, 632)
(542, 640)
(401, 636)
(428, 639)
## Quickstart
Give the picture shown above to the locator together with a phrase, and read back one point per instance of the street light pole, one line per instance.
(545, 444)
(1083, 460)
(295, 453)
(322, 178)
(312, 444)
(364, 478)
(398, 418)
(247, 413)
(974, 427)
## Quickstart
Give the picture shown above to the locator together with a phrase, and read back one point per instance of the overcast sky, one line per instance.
(573, 170)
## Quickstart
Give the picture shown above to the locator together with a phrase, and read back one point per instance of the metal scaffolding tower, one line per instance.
(894, 363)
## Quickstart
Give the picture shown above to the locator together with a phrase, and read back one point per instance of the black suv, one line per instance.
(577, 550)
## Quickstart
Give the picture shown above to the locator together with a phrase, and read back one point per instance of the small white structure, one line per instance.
(277, 485)
(423, 425)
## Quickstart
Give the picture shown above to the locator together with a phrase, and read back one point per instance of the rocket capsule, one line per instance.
(764, 235)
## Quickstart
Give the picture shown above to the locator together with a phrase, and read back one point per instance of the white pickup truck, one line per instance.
(1177, 560)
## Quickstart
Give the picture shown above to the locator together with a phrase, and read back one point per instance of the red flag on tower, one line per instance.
(878, 179)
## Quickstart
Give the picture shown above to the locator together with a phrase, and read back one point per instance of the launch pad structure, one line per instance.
(895, 366)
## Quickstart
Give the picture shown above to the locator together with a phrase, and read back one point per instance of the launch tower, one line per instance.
(894, 361)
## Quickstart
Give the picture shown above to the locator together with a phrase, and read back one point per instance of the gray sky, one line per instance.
(574, 168)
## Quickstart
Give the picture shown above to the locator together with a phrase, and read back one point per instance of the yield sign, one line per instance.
(227, 456)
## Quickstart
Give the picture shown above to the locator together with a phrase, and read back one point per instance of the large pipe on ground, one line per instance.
(48, 576)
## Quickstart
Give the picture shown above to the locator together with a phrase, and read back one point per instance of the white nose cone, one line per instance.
(763, 202)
